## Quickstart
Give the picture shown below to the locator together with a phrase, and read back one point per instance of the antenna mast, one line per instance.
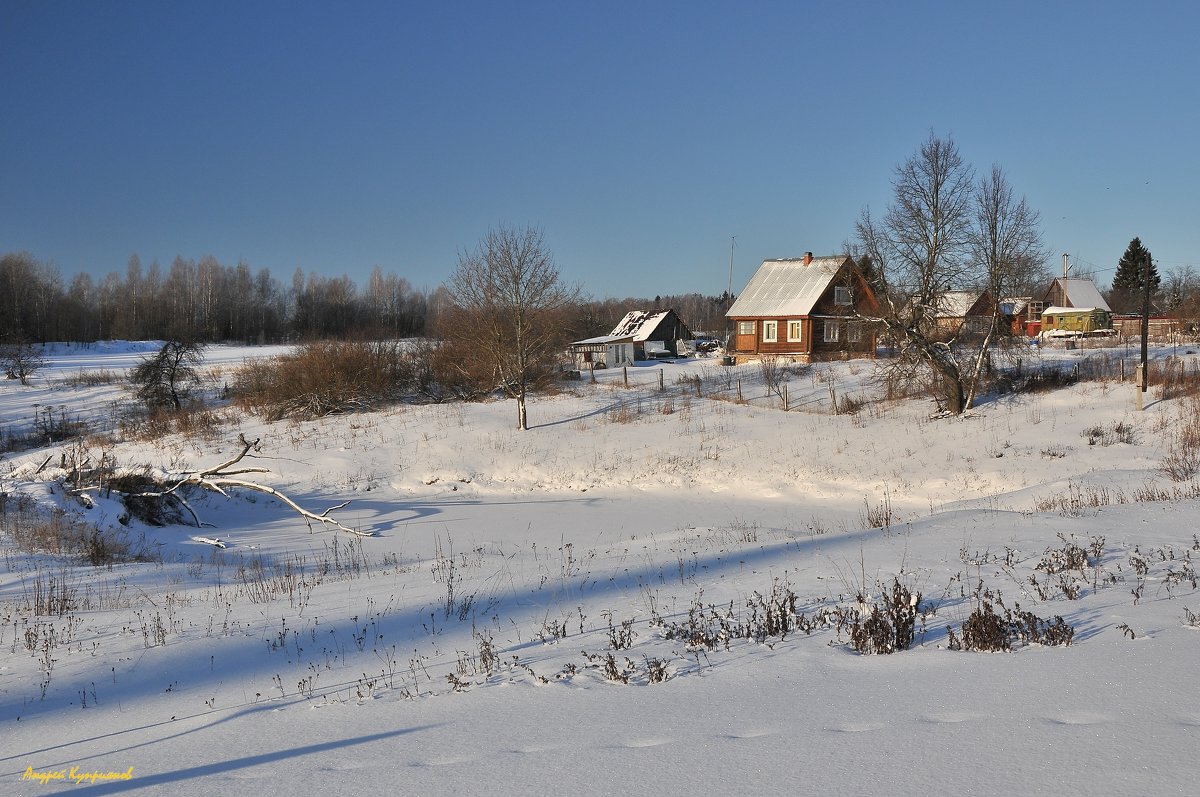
(729, 289)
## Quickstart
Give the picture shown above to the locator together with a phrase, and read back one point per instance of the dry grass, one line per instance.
(324, 378)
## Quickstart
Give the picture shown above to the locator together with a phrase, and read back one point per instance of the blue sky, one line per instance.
(638, 136)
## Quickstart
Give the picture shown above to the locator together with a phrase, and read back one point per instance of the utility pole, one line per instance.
(1143, 369)
(729, 293)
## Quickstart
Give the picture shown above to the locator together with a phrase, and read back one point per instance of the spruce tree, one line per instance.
(1127, 283)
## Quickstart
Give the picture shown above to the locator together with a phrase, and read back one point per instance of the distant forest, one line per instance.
(206, 301)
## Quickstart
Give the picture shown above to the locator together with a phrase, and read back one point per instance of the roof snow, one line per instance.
(1083, 293)
(637, 326)
(786, 287)
(955, 304)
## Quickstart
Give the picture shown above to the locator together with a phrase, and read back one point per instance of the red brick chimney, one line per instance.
(807, 258)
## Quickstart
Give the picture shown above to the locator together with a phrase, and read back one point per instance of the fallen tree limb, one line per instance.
(219, 477)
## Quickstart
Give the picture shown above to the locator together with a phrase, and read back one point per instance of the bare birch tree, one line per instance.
(920, 249)
(1006, 243)
(507, 307)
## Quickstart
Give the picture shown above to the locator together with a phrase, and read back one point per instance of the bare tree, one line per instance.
(507, 306)
(920, 249)
(1006, 243)
(21, 360)
(166, 377)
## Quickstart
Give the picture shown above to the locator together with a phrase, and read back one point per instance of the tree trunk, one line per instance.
(522, 418)
(978, 371)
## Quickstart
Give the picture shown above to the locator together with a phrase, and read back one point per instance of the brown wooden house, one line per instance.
(805, 309)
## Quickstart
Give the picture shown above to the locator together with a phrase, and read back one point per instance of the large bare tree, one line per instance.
(920, 249)
(1006, 243)
(507, 310)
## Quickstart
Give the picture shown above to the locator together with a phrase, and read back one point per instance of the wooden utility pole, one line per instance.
(1144, 375)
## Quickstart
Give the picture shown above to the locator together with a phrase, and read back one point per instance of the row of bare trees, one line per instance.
(201, 300)
(204, 300)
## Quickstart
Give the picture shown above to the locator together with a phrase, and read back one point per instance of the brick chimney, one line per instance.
(807, 258)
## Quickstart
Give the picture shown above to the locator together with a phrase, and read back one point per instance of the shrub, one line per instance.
(988, 630)
(888, 626)
(324, 378)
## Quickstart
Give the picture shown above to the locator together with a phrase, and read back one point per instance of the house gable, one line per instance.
(804, 307)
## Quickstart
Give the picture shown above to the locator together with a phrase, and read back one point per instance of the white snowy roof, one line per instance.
(1065, 310)
(955, 304)
(1083, 293)
(786, 287)
(1015, 304)
(637, 326)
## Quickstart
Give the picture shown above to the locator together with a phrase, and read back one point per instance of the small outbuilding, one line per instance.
(638, 336)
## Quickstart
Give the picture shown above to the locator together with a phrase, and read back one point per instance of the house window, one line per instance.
(833, 332)
(841, 295)
(745, 327)
(770, 331)
(794, 331)
(854, 332)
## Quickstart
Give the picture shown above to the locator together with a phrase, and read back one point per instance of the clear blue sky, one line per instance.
(639, 136)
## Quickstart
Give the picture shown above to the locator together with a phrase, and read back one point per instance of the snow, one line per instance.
(298, 662)
(786, 287)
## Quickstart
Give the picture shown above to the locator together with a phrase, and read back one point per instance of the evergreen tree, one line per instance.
(1127, 286)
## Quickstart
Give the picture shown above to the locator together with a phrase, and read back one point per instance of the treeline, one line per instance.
(206, 301)
(201, 300)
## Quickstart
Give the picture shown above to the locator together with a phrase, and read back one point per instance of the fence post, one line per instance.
(625, 370)
(785, 398)
(740, 390)
(660, 380)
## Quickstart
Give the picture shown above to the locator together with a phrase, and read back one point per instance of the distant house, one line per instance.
(1016, 311)
(1072, 293)
(1074, 321)
(959, 313)
(805, 309)
(1073, 307)
(638, 336)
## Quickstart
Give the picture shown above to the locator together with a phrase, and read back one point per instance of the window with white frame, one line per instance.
(745, 327)
(833, 331)
(841, 295)
(854, 332)
(770, 331)
(795, 330)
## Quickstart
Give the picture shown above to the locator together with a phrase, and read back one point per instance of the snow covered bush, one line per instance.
(887, 626)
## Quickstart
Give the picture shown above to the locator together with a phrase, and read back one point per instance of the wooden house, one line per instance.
(962, 314)
(804, 309)
(1073, 307)
(638, 336)
(1070, 293)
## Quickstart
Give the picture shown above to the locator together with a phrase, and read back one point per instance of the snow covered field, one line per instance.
(594, 606)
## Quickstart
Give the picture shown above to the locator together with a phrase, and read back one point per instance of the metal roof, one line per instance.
(1083, 293)
(786, 287)
(637, 326)
(956, 304)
